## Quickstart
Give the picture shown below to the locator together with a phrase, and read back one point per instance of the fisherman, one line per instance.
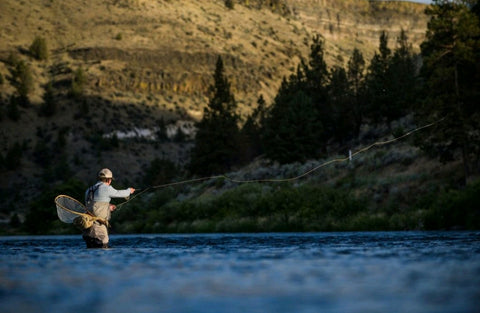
(97, 200)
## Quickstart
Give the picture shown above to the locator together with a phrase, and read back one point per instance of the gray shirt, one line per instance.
(105, 193)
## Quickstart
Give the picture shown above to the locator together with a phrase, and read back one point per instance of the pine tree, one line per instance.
(316, 73)
(451, 71)
(316, 82)
(292, 129)
(229, 4)
(340, 99)
(79, 81)
(402, 80)
(216, 141)
(38, 49)
(377, 81)
(299, 122)
(251, 131)
(23, 81)
(356, 78)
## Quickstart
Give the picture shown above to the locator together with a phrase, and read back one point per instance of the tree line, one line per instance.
(319, 106)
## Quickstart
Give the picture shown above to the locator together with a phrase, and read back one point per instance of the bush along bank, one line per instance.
(289, 208)
(454, 209)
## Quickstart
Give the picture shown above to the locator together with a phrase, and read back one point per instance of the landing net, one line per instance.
(68, 208)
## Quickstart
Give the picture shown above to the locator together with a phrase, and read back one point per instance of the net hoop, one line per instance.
(69, 209)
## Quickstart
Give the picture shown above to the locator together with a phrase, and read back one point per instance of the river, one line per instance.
(291, 272)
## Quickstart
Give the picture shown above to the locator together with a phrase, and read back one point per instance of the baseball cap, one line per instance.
(105, 173)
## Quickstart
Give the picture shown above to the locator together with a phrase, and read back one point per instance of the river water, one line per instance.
(313, 272)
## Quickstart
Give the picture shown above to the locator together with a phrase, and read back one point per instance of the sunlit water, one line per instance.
(319, 272)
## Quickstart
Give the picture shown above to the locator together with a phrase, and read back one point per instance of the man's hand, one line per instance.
(113, 207)
(132, 190)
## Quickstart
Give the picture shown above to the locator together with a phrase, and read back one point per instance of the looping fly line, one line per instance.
(280, 180)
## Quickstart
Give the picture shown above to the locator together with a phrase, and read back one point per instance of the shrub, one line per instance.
(455, 209)
(22, 80)
(38, 48)
(259, 207)
(13, 59)
(161, 171)
(78, 83)
(42, 218)
(230, 4)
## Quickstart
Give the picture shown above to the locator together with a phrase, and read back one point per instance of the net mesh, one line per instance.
(68, 208)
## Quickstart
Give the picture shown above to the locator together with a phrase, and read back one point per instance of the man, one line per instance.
(97, 199)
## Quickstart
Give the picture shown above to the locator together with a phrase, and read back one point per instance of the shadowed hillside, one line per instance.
(146, 67)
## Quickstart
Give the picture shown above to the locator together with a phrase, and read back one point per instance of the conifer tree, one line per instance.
(38, 49)
(251, 131)
(451, 71)
(79, 81)
(402, 80)
(356, 78)
(316, 73)
(377, 81)
(299, 122)
(316, 86)
(340, 99)
(23, 81)
(216, 141)
(292, 129)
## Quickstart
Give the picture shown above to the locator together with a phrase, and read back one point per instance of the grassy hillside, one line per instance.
(147, 66)
(165, 50)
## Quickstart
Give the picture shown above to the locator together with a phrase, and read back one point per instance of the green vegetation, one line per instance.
(454, 209)
(216, 143)
(451, 54)
(318, 106)
(78, 83)
(230, 4)
(38, 48)
(161, 171)
(42, 218)
(317, 110)
(250, 136)
(22, 80)
(271, 208)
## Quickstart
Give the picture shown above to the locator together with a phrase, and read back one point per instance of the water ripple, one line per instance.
(318, 272)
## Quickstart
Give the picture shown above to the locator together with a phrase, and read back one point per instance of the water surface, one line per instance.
(314, 272)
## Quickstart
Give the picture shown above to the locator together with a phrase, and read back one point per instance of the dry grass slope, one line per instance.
(145, 60)
(169, 47)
